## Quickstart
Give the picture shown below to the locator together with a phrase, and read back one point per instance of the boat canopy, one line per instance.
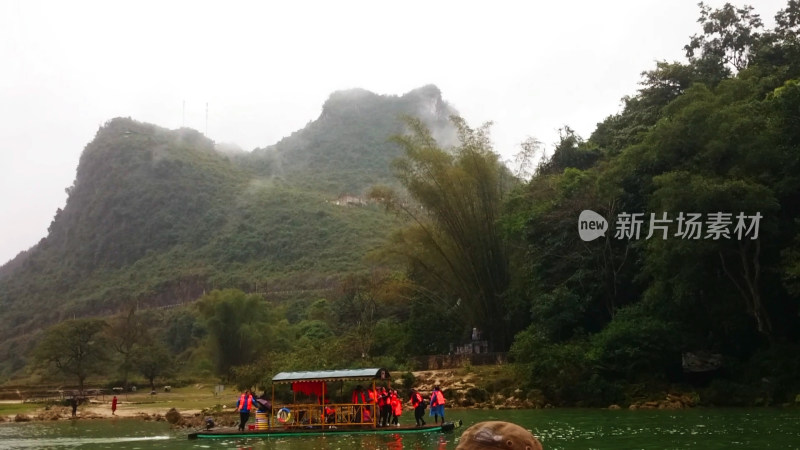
(333, 375)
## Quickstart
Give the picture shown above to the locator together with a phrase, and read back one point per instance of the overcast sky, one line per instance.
(265, 69)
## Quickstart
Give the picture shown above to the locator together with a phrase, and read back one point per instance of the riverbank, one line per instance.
(191, 401)
(480, 388)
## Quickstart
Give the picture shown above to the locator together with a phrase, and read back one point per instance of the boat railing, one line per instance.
(330, 414)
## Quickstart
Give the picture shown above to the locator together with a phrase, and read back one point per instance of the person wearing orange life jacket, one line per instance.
(245, 403)
(384, 408)
(359, 397)
(373, 400)
(397, 407)
(437, 404)
(418, 403)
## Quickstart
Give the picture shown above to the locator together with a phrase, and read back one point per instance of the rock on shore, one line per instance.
(671, 401)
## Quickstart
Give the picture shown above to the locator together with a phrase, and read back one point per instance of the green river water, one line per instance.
(556, 428)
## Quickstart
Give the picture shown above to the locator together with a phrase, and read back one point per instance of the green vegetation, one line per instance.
(272, 274)
(75, 348)
(453, 247)
(716, 134)
(347, 149)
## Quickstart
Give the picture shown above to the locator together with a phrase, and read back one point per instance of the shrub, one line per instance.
(634, 344)
(477, 395)
(408, 380)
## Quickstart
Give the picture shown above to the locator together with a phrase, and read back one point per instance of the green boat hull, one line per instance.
(316, 431)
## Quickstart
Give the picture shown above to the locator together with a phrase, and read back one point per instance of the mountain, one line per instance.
(159, 216)
(347, 148)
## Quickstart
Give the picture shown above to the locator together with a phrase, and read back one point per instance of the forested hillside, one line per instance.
(158, 217)
(702, 284)
(660, 254)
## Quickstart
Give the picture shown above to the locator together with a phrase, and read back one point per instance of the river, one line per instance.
(556, 428)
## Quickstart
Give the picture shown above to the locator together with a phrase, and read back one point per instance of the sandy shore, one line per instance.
(100, 410)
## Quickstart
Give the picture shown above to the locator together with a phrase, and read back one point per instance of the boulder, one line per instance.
(174, 417)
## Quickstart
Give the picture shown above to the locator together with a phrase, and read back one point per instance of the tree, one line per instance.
(125, 332)
(75, 347)
(525, 160)
(153, 360)
(356, 308)
(569, 285)
(454, 250)
(729, 34)
(569, 153)
(237, 325)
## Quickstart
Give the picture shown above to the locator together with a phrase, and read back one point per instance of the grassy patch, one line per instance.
(12, 409)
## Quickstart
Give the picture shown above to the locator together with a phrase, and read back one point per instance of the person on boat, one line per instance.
(359, 398)
(373, 400)
(358, 395)
(265, 406)
(245, 403)
(328, 411)
(418, 403)
(437, 404)
(384, 407)
(397, 407)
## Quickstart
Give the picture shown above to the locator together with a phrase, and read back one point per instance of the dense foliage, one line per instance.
(453, 247)
(158, 217)
(717, 134)
(285, 279)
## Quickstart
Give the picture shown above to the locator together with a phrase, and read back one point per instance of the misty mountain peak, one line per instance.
(428, 91)
(348, 148)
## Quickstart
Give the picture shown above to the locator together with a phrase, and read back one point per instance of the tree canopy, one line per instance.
(76, 348)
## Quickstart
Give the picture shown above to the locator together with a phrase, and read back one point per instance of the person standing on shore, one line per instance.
(437, 404)
(114, 406)
(246, 401)
(73, 402)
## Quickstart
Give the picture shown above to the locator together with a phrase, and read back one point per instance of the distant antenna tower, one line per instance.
(206, 133)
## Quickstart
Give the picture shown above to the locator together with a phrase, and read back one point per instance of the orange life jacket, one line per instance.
(363, 398)
(244, 404)
(416, 399)
(397, 407)
(382, 399)
(437, 398)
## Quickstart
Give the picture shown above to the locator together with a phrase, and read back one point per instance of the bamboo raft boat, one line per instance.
(304, 418)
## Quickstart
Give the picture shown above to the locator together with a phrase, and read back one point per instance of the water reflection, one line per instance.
(557, 429)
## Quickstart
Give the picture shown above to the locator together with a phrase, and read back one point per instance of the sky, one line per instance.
(265, 68)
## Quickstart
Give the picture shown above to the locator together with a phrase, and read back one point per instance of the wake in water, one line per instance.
(71, 442)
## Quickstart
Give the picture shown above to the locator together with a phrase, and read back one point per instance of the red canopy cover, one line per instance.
(309, 387)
